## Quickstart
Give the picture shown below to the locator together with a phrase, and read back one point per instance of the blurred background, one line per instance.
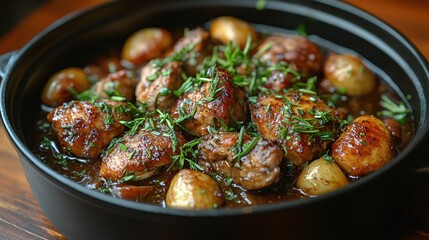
(14, 11)
(22, 19)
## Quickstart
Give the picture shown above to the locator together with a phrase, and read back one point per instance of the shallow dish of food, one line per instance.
(226, 120)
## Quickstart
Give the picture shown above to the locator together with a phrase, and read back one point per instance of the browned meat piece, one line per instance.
(277, 81)
(302, 124)
(365, 146)
(117, 84)
(140, 155)
(297, 51)
(156, 85)
(196, 41)
(198, 37)
(85, 128)
(258, 169)
(215, 103)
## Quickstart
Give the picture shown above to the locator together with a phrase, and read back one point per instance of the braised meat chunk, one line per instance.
(157, 84)
(297, 51)
(259, 168)
(216, 102)
(85, 128)
(193, 47)
(119, 84)
(302, 124)
(140, 155)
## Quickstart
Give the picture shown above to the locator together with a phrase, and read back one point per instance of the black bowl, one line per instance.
(80, 213)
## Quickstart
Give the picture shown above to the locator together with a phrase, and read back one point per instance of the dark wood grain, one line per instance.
(21, 217)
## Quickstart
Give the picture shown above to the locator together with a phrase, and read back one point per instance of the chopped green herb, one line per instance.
(128, 177)
(241, 148)
(188, 154)
(399, 111)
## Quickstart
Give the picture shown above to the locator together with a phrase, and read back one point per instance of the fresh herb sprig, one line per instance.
(188, 154)
(397, 111)
(248, 71)
(242, 147)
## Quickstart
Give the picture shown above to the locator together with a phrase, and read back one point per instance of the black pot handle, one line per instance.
(6, 60)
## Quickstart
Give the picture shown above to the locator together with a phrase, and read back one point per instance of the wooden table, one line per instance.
(21, 217)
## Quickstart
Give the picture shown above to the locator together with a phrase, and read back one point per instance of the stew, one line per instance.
(219, 117)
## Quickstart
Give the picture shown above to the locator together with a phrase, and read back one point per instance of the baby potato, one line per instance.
(191, 189)
(348, 74)
(321, 176)
(365, 146)
(229, 29)
(146, 44)
(60, 87)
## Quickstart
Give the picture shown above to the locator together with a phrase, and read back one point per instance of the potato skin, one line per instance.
(348, 73)
(58, 89)
(191, 189)
(146, 44)
(144, 153)
(320, 177)
(229, 29)
(365, 146)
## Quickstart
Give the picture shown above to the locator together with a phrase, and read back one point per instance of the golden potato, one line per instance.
(229, 29)
(62, 86)
(191, 189)
(348, 74)
(365, 146)
(321, 176)
(146, 44)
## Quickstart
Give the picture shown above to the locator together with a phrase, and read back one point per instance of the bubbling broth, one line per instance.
(220, 116)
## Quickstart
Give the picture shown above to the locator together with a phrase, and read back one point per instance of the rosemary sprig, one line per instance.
(241, 148)
(399, 111)
(188, 154)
